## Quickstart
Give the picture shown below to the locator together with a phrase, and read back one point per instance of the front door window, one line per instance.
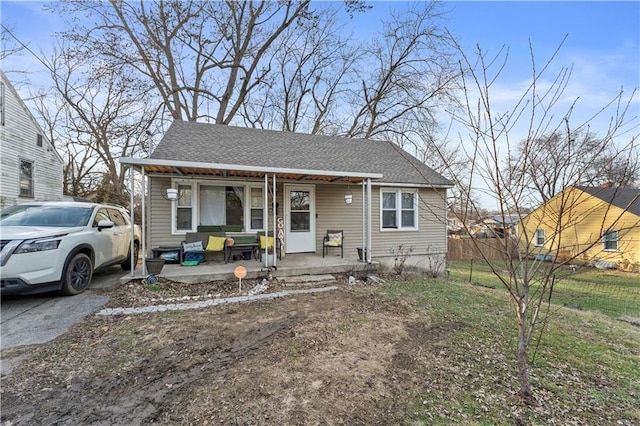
(300, 211)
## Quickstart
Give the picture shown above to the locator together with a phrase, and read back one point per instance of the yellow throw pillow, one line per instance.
(335, 240)
(215, 243)
(264, 241)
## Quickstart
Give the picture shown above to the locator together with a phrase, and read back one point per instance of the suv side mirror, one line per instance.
(105, 224)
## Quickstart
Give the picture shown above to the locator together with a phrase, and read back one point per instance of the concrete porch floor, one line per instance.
(291, 265)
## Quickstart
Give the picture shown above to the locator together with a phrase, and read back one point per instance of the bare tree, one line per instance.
(106, 115)
(202, 58)
(81, 170)
(556, 160)
(411, 73)
(311, 73)
(488, 139)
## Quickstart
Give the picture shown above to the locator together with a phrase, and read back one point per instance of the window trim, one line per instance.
(536, 237)
(398, 209)
(175, 205)
(248, 208)
(606, 239)
(195, 202)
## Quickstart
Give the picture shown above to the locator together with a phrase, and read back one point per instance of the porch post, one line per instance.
(131, 214)
(369, 240)
(364, 222)
(265, 217)
(144, 224)
(275, 257)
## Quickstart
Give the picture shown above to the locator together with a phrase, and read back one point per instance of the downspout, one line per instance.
(369, 240)
(144, 224)
(131, 246)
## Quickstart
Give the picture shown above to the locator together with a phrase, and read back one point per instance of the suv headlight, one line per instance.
(30, 246)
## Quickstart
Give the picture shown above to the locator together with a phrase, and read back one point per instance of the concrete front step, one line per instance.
(309, 280)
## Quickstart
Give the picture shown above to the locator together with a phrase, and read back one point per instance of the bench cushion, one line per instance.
(215, 243)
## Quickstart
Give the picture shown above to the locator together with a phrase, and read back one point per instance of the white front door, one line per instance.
(300, 218)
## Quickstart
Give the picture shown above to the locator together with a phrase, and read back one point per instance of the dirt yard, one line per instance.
(333, 358)
(349, 356)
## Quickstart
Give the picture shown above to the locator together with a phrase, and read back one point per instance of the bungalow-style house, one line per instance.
(30, 166)
(384, 200)
(598, 225)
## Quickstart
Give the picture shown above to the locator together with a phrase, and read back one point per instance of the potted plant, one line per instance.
(154, 265)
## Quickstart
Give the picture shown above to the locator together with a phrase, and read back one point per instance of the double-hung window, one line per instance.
(399, 209)
(257, 208)
(184, 208)
(539, 237)
(610, 241)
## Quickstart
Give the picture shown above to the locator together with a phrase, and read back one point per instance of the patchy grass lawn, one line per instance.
(610, 292)
(414, 352)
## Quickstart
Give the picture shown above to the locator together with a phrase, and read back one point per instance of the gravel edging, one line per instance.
(209, 303)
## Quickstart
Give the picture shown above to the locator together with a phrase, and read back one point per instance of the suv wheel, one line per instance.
(77, 275)
(126, 265)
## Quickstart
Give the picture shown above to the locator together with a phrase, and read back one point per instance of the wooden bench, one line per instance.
(242, 242)
(203, 237)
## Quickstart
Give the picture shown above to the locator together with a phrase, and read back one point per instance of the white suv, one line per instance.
(57, 245)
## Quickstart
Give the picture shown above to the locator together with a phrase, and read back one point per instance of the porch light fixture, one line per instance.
(172, 194)
(348, 196)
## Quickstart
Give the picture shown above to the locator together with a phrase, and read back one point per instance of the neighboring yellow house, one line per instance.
(587, 224)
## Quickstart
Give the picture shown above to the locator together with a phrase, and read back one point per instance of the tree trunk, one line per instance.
(523, 368)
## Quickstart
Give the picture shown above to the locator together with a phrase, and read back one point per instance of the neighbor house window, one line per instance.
(610, 241)
(539, 237)
(184, 208)
(26, 178)
(399, 209)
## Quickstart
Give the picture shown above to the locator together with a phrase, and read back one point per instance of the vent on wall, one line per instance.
(39, 141)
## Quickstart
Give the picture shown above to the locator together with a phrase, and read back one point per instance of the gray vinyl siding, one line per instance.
(160, 215)
(333, 213)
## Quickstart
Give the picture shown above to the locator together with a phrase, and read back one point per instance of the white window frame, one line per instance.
(398, 209)
(606, 238)
(195, 202)
(176, 204)
(536, 237)
(248, 207)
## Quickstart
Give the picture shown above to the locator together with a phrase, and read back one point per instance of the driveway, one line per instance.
(36, 319)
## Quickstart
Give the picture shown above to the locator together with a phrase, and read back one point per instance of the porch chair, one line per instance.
(269, 240)
(334, 238)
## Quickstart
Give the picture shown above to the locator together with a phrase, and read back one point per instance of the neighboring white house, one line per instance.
(30, 166)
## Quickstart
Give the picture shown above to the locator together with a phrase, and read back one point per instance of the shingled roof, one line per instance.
(624, 198)
(220, 144)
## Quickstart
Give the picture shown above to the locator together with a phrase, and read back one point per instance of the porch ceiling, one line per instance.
(221, 172)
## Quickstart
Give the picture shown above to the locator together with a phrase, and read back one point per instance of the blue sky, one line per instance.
(603, 37)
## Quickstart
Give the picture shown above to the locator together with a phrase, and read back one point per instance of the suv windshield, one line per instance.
(22, 215)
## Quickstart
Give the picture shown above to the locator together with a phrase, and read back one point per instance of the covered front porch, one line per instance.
(292, 265)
